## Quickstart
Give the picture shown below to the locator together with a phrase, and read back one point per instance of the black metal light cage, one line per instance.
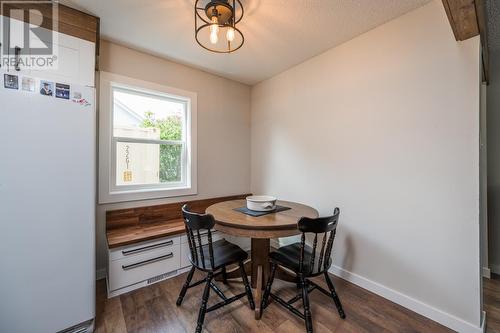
(205, 25)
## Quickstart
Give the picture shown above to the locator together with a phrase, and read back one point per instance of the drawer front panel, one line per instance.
(143, 248)
(185, 255)
(185, 247)
(140, 267)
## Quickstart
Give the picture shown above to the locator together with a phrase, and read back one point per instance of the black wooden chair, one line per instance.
(305, 262)
(212, 258)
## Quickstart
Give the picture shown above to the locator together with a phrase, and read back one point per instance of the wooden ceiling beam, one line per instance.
(468, 19)
(462, 17)
(483, 32)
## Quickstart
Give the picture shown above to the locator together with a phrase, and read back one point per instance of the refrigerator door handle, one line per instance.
(17, 52)
(146, 262)
(148, 247)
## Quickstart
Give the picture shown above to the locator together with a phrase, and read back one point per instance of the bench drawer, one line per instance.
(143, 248)
(185, 255)
(140, 267)
(185, 252)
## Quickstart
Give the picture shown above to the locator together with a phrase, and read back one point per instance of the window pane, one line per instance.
(146, 163)
(140, 115)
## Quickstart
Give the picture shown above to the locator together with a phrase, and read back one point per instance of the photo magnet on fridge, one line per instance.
(79, 99)
(11, 81)
(28, 84)
(46, 88)
(62, 90)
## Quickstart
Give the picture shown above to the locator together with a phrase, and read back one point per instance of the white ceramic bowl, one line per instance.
(261, 203)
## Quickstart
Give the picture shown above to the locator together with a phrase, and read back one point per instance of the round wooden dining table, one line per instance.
(260, 229)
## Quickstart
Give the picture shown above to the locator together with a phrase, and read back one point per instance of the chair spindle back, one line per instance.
(327, 228)
(195, 225)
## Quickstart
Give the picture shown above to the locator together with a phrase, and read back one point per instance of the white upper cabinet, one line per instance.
(74, 61)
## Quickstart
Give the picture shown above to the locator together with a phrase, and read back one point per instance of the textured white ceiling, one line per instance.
(279, 33)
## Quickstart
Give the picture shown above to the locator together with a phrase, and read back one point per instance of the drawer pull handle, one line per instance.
(17, 52)
(145, 262)
(146, 248)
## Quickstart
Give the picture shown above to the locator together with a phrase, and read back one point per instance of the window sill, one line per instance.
(145, 194)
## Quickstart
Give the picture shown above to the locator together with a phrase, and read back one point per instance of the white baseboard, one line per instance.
(487, 272)
(419, 307)
(495, 269)
(113, 293)
(100, 274)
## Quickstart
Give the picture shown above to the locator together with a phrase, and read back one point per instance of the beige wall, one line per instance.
(385, 126)
(223, 126)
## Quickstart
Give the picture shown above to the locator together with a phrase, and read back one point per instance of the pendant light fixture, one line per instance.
(215, 25)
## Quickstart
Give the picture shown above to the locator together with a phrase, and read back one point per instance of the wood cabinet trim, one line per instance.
(70, 21)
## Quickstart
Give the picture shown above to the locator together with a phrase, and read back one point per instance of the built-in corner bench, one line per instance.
(148, 244)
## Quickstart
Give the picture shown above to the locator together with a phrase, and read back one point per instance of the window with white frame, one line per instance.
(150, 132)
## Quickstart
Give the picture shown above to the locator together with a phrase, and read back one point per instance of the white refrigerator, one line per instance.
(47, 210)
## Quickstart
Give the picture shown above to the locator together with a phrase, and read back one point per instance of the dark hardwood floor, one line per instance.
(491, 299)
(153, 309)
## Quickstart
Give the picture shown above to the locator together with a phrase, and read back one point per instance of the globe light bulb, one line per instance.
(214, 38)
(214, 30)
(230, 34)
(214, 27)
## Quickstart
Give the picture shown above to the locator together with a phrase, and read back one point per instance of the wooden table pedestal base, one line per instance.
(258, 267)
